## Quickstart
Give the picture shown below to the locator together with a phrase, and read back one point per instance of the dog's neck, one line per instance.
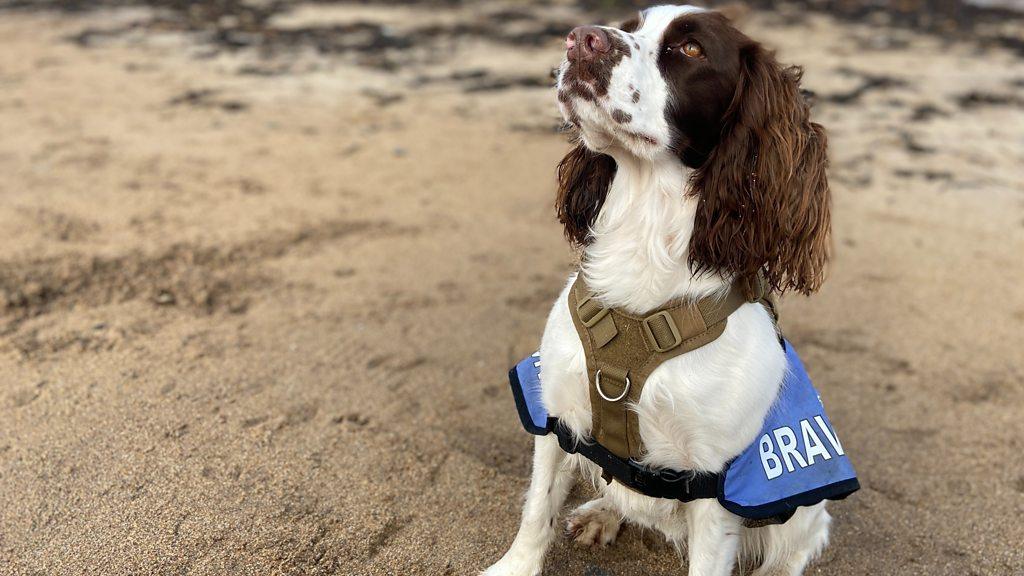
(637, 260)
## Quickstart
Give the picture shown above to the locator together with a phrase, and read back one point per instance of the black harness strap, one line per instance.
(682, 485)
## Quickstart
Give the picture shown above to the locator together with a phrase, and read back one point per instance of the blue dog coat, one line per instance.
(796, 459)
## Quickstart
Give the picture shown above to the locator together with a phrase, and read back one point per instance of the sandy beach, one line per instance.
(264, 267)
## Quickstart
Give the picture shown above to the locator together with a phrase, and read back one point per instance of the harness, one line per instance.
(789, 465)
(622, 350)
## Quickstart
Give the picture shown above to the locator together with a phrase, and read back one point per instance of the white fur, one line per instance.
(698, 410)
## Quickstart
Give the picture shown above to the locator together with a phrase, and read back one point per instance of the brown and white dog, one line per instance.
(697, 165)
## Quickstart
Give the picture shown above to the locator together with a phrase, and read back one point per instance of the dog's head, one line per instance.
(681, 82)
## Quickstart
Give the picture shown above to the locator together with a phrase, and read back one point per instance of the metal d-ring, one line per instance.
(597, 383)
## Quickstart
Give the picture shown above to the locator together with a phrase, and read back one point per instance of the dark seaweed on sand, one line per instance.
(236, 24)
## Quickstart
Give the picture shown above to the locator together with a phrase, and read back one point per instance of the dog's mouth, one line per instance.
(575, 87)
(574, 90)
(607, 125)
(637, 137)
(584, 78)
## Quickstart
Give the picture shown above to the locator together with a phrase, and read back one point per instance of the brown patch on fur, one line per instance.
(584, 177)
(764, 194)
(636, 96)
(619, 45)
(701, 88)
(621, 116)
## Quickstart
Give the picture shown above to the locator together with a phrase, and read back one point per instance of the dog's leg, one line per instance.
(787, 548)
(549, 486)
(713, 535)
(595, 523)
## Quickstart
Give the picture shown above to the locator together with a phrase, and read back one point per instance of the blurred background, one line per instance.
(264, 265)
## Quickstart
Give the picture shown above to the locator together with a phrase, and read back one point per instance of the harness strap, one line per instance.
(683, 485)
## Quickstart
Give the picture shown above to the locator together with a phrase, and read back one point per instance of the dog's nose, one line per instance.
(587, 43)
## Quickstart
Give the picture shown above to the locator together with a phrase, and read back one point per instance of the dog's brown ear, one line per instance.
(764, 199)
(583, 180)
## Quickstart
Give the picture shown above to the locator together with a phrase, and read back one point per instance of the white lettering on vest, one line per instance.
(832, 439)
(770, 462)
(790, 450)
(812, 444)
(787, 447)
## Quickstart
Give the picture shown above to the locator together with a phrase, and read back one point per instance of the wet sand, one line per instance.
(264, 269)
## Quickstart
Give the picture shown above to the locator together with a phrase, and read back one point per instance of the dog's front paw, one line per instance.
(593, 524)
(511, 569)
(516, 563)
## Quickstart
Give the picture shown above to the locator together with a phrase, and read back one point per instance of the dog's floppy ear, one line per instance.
(583, 180)
(764, 198)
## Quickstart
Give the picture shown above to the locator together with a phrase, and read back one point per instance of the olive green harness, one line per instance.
(623, 350)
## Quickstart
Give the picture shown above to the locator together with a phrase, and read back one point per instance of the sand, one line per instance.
(264, 270)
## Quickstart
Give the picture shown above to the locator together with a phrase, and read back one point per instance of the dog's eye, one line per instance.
(692, 49)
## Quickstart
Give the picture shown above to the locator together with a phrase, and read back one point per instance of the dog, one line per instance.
(697, 164)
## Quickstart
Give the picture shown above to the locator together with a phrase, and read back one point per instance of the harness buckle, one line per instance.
(667, 329)
(673, 476)
(587, 315)
(663, 482)
(669, 476)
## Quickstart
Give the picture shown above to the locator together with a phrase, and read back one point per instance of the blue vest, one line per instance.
(796, 459)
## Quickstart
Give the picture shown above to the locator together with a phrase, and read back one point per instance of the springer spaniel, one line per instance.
(697, 165)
